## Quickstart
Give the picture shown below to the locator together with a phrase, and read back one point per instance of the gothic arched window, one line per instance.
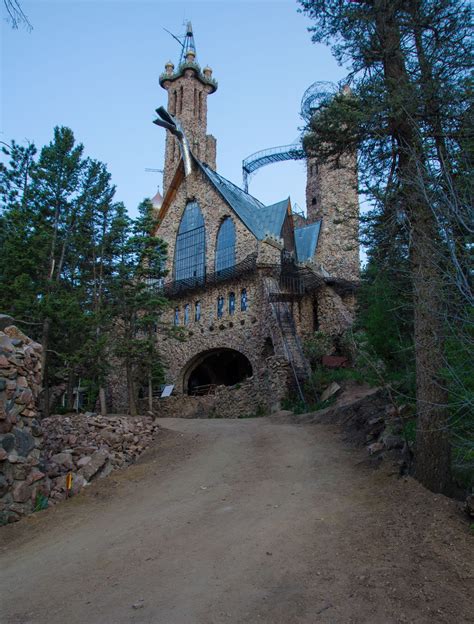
(225, 246)
(231, 303)
(190, 254)
(243, 300)
(220, 307)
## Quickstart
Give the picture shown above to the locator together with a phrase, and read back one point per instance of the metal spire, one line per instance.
(188, 43)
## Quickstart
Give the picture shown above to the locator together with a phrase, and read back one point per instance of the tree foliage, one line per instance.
(70, 257)
(409, 115)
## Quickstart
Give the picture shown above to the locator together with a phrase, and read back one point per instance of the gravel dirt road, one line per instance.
(242, 521)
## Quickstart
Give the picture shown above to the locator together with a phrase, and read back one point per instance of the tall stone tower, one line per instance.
(331, 196)
(188, 87)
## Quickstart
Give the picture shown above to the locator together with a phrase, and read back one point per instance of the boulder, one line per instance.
(330, 391)
(24, 442)
(21, 492)
(97, 461)
(63, 459)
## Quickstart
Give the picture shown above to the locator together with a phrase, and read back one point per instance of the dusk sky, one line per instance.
(94, 66)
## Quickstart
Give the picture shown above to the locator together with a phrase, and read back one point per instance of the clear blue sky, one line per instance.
(94, 66)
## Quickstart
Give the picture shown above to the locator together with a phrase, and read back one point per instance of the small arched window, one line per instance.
(231, 303)
(197, 311)
(176, 316)
(243, 300)
(225, 245)
(190, 254)
(186, 314)
(220, 307)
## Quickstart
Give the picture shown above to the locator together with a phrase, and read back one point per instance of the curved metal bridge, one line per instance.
(269, 156)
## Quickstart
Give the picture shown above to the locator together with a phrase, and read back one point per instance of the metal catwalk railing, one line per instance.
(269, 156)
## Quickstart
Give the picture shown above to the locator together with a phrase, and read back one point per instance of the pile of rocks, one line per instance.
(22, 479)
(89, 446)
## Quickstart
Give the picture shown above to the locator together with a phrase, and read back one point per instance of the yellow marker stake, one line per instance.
(68, 482)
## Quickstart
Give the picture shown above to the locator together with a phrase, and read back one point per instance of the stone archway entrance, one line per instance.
(215, 367)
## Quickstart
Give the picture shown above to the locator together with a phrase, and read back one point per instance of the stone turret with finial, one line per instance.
(188, 87)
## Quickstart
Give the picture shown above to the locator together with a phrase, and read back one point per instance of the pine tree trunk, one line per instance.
(432, 443)
(432, 459)
(44, 365)
(132, 406)
(150, 393)
(102, 401)
(70, 392)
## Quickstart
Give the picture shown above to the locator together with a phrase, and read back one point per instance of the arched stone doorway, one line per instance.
(215, 367)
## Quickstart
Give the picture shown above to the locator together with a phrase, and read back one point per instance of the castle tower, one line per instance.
(331, 196)
(188, 87)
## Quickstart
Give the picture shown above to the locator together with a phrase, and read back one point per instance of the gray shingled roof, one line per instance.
(260, 219)
(306, 240)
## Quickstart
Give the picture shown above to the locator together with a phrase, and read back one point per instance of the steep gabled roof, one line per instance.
(261, 220)
(271, 217)
(306, 241)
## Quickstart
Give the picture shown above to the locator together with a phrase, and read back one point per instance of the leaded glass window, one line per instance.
(220, 307)
(225, 246)
(231, 303)
(197, 311)
(186, 314)
(190, 254)
(243, 300)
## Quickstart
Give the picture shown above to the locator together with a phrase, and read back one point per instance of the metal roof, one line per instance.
(261, 220)
(272, 217)
(306, 240)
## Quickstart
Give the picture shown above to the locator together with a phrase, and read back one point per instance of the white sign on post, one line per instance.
(167, 390)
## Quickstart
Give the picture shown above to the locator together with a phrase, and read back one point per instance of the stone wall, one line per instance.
(256, 396)
(21, 475)
(331, 195)
(333, 315)
(244, 330)
(214, 210)
(187, 100)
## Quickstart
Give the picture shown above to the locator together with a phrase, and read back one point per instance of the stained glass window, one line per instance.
(225, 246)
(190, 254)
(197, 311)
(186, 314)
(243, 300)
(220, 307)
(231, 303)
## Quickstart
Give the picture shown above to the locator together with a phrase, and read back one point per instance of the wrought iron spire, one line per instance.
(188, 43)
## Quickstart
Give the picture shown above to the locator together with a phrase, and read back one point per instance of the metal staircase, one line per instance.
(287, 335)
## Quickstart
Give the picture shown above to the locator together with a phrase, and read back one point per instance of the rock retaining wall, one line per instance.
(22, 479)
(89, 446)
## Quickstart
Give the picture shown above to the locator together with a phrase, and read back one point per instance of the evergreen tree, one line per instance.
(138, 303)
(409, 61)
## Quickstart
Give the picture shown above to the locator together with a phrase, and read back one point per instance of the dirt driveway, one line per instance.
(242, 521)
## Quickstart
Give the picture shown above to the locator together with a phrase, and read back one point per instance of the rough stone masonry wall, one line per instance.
(331, 195)
(242, 331)
(21, 475)
(214, 210)
(261, 394)
(187, 100)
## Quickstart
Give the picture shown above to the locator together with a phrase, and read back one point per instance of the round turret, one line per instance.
(207, 71)
(190, 56)
(169, 68)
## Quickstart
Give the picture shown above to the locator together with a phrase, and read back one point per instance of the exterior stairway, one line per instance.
(285, 334)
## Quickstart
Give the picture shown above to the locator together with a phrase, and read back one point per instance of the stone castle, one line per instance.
(247, 281)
